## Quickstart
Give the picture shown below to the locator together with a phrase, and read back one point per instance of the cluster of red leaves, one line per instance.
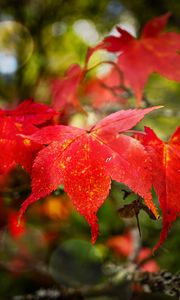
(137, 59)
(86, 161)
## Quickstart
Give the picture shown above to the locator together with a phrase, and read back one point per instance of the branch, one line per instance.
(162, 282)
(116, 92)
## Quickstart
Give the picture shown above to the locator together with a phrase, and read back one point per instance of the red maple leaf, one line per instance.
(85, 162)
(165, 157)
(106, 90)
(13, 148)
(154, 51)
(29, 112)
(65, 90)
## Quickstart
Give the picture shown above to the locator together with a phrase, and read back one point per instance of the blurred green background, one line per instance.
(38, 41)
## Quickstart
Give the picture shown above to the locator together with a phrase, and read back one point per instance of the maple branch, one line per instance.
(123, 277)
(116, 67)
(166, 112)
(128, 93)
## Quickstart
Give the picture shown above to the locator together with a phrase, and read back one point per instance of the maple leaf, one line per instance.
(85, 162)
(165, 158)
(154, 51)
(29, 112)
(65, 90)
(105, 90)
(13, 149)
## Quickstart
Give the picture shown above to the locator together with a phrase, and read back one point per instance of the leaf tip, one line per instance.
(92, 220)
